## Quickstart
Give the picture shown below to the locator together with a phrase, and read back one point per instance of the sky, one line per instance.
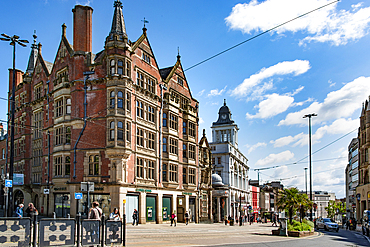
(319, 63)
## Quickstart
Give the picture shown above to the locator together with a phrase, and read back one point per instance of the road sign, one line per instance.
(87, 186)
(46, 191)
(8, 183)
(78, 196)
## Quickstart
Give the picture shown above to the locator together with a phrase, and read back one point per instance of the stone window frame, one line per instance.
(119, 65)
(94, 164)
(146, 81)
(173, 121)
(145, 57)
(140, 173)
(192, 175)
(174, 146)
(192, 149)
(184, 151)
(38, 90)
(192, 128)
(173, 173)
(184, 175)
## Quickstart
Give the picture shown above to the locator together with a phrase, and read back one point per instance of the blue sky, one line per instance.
(317, 64)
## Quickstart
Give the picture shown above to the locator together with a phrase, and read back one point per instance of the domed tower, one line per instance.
(224, 129)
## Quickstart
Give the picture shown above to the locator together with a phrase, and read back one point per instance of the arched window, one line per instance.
(120, 67)
(112, 67)
(111, 131)
(120, 100)
(68, 106)
(112, 99)
(120, 131)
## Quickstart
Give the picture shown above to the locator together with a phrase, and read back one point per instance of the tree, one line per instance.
(335, 207)
(291, 200)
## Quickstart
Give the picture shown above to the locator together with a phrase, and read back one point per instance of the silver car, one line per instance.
(327, 224)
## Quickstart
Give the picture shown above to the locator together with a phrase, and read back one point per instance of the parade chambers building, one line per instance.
(231, 195)
(130, 127)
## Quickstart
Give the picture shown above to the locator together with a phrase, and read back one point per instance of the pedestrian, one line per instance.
(135, 217)
(31, 210)
(173, 218)
(115, 215)
(19, 210)
(347, 224)
(95, 211)
(186, 217)
(274, 220)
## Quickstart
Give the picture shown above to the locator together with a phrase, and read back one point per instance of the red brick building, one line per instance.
(117, 145)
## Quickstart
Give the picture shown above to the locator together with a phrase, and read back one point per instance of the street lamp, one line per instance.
(13, 41)
(309, 146)
(305, 175)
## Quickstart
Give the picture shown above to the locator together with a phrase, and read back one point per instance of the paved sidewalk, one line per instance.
(199, 234)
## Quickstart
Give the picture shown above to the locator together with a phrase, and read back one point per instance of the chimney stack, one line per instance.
(82, 28)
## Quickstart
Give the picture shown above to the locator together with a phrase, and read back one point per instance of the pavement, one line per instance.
(201, 234)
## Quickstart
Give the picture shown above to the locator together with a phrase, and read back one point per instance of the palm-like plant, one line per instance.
(291, 200)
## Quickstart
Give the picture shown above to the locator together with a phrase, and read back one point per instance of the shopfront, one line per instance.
(151, 208)
(132, 202)
(103, 200)
(166, 208)
(62, 205)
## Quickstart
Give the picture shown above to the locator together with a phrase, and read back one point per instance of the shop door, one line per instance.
(150, 209)
(166, 208)
(180, 209)
(192, 211)
(132, 202)
(62, 205)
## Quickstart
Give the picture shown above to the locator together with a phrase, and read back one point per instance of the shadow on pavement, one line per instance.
(347, 236)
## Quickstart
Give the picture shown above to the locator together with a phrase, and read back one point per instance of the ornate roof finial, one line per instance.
(34, 37)
(145, 21)
(33, 56)
(224, 102)
(118, 23)
(178, 53)
(204, 132)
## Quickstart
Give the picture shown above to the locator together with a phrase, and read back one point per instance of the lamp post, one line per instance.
(13, 41)
(305, 175)
(309, 147)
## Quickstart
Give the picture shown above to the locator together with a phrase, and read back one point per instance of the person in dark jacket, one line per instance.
(31, 210)
(173, 218)
(135, 217)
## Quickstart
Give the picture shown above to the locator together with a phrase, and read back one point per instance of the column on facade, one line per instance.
(159, 208)
(218, 210)
(73, 201)
(174, 204)
(142, 206)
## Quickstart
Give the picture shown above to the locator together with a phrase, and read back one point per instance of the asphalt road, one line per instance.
(256, 235)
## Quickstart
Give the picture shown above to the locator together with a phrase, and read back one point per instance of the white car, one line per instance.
(327, 224)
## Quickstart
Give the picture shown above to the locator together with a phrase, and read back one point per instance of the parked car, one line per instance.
(365, 223)
(327, 224)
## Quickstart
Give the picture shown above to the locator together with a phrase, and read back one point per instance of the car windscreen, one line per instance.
(327, 220)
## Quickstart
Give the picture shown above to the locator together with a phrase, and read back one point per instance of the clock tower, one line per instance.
(225, 130)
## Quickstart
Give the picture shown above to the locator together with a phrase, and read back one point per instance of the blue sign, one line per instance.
(8, 183)
(78, 196)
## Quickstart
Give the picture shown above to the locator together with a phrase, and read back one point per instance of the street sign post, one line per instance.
(78, 196)
(8, 183)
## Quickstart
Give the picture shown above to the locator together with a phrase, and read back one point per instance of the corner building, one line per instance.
(137, 140)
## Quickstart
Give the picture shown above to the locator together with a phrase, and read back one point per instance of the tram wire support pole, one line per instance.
(13, 41)
(310, 161)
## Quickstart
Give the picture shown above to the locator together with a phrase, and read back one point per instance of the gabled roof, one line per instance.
(165, 72)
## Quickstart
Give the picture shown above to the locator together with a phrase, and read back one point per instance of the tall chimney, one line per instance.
(82, 28)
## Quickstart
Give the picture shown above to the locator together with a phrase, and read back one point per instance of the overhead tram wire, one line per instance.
(260, 34)
(299, 161)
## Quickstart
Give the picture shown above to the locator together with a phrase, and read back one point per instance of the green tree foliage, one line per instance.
(335, 208)
(291, 201)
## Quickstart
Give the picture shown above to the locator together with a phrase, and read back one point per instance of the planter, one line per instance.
(276, 232)
(300, 234)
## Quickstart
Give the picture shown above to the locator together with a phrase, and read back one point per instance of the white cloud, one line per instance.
(272, 106)
(295, 68)
(216, 92)
(201, 93)
(327, 24)
(255, 146)
(331, 84)
(201, 120)
(337, 104)
(275, 158)
(286, 140)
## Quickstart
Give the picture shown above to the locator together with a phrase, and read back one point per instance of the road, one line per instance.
(256, 235)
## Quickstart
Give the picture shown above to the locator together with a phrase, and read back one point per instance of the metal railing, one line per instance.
(62, 232)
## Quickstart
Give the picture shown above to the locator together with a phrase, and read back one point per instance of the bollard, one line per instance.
(54, 215)
(34, 239)
(124, 230)
(69, 216)
(102, 230)
(78, 216)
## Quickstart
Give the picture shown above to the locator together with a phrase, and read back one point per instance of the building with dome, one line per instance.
(231, 194)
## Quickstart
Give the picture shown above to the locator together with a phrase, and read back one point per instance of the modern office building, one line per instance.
(352, 178)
